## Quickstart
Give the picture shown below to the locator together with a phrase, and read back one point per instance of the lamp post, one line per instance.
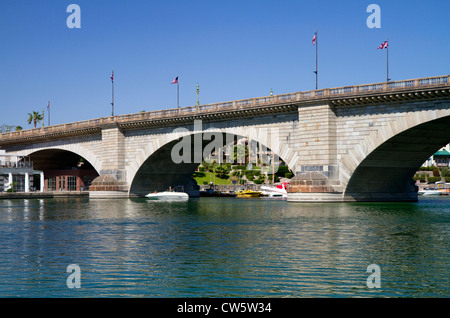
(198, 91)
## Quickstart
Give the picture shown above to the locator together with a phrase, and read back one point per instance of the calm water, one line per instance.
(223, 247)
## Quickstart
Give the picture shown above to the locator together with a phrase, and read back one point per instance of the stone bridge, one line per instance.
(355, 143)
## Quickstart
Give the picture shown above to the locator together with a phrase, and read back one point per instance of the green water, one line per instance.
(223, 247)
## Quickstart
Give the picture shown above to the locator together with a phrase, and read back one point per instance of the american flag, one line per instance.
(112, 76)
(175, 81)
(314, 39)
(383, 45)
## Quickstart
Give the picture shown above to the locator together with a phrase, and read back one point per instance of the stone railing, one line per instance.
(327, 93)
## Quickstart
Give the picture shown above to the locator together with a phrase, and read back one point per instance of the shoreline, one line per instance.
(43, 195)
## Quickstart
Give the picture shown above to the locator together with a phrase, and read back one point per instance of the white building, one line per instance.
(18, 174)
(439, 159)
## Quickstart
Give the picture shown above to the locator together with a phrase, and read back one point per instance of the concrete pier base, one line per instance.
(314, 186)
(314, 197)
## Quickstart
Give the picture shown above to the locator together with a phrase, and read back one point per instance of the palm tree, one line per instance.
(36, 117)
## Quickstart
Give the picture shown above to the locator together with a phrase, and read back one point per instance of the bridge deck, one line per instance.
(359, 94)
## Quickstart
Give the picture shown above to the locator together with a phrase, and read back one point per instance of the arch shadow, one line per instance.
(160, 171)
(386, 174)
(58, 164)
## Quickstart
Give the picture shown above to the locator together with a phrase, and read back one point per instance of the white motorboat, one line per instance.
(427, 192)
(168, 196)
(278, 191)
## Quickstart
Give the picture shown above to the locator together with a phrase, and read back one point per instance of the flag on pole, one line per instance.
(315, 43)
(383, 45)
(112, 93)
(175, 81)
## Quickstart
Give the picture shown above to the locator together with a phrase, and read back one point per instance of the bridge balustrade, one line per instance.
(244, 102)
(434, 80)
(343, 90)
(261, 101)
(206, 108)
(287, 97)
(225, 105)
(401, 84)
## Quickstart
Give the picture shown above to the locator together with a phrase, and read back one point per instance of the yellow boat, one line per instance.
(248, 194)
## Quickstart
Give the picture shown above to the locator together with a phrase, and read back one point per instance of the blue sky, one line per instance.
(234, 49)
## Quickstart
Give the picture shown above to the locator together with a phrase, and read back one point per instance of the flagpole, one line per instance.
(317, 70)
(112, 99)
(112, 103)
(176, 81)
(387, 61)
(48, 109)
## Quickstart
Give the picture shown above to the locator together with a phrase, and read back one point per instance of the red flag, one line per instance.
(112, 76)
(314, 39)
(175, 81)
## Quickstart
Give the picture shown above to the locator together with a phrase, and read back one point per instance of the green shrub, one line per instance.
(433, 179)
(250, 174)
(282, 170)
(222, 172)
(288, 175)
(426, 168)
(198, 174)
(421, 179)
(236, 173)
(260, 179)
(445, 172)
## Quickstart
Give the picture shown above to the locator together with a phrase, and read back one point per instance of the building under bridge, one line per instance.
(17, 174)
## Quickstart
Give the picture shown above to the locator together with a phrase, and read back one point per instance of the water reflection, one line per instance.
(213, 247)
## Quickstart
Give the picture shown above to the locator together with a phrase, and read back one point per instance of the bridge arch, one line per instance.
(78, 150)
(63, 168)
(155, 161)
(382, 167)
